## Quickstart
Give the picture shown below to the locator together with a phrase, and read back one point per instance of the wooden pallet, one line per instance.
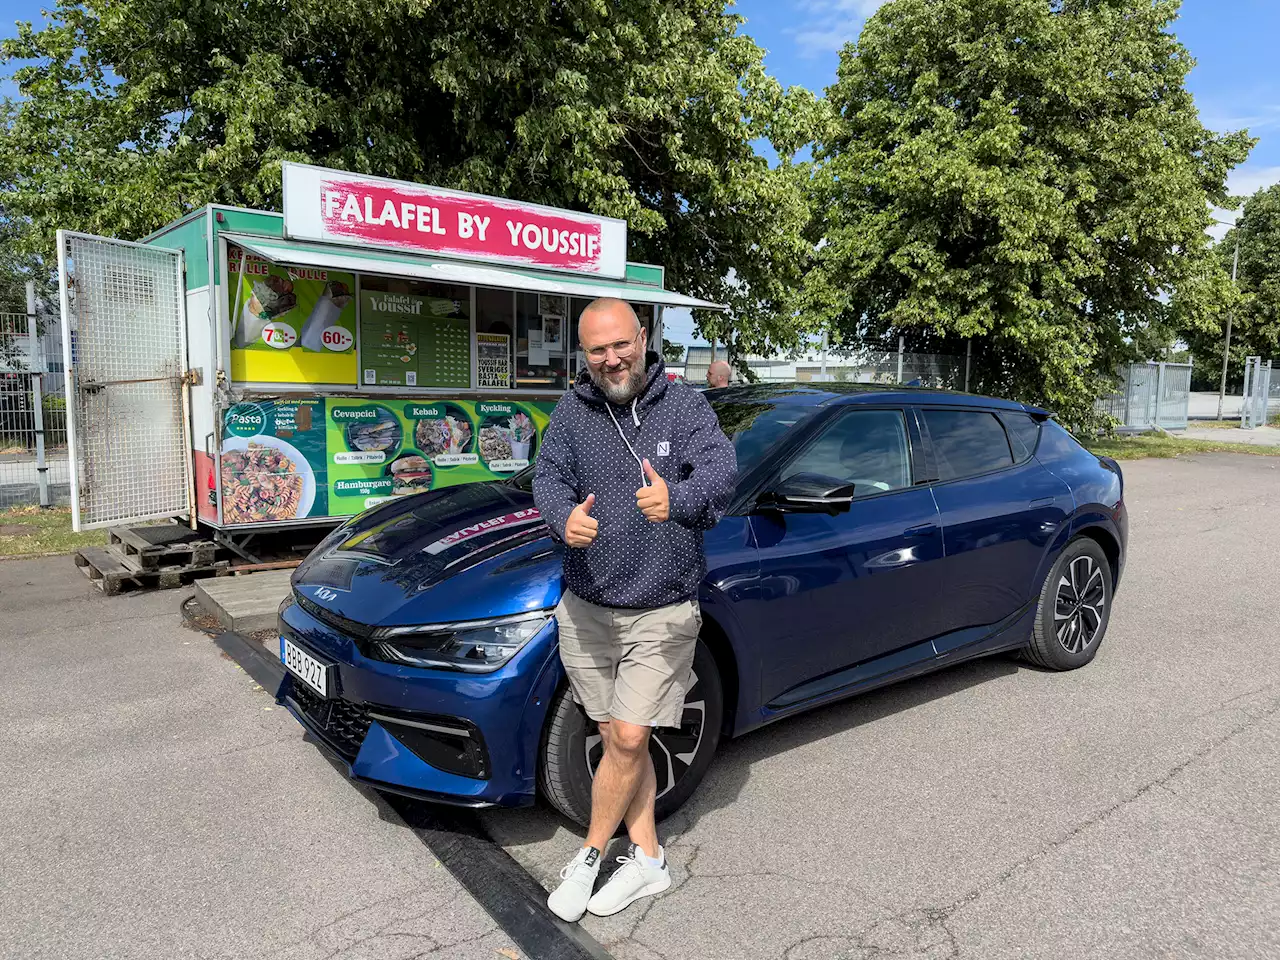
(165, 545)
(113, 571)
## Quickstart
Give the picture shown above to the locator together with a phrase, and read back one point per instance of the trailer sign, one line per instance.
(333, 206)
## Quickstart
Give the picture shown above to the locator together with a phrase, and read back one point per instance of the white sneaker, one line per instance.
(631, 881)
(569, 900)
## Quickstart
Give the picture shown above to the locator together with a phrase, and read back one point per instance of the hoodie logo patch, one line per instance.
(664, 448)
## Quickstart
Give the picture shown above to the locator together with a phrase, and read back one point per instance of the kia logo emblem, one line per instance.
(324, 593)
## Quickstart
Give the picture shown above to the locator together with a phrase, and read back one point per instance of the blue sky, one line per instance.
(1235, 82)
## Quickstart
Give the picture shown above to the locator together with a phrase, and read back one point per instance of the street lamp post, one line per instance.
(1226, 347)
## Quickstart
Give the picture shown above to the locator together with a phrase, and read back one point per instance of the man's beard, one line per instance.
(620, 393)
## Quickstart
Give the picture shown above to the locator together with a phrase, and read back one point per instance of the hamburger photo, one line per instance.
(412, 474)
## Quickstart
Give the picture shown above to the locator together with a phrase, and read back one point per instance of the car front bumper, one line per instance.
(464, 739)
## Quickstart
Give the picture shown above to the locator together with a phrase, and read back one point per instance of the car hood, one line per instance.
(461, 553)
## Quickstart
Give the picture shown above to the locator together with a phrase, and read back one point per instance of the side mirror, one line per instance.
(808, 493)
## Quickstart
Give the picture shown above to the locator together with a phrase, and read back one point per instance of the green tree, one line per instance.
(134, 111)
(1255, 322)
(672, 352)
(1033, 173)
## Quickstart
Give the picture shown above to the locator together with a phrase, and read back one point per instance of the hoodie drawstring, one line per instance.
(644, 481)
(634, 415)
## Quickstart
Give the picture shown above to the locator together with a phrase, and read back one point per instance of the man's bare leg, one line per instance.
(624, 768)
(641, 824)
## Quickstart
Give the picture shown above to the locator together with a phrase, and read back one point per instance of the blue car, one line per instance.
(875, 534)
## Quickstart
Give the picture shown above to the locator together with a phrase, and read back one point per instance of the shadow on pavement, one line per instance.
(732, 767)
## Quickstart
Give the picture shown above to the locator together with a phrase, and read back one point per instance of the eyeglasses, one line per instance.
(622, 349)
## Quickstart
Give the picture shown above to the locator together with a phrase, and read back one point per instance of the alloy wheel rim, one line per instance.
(672, 749)
(1080, 605)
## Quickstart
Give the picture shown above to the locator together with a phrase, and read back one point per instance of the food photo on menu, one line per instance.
(410, 474)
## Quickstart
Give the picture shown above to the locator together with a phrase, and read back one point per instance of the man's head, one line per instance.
(615, 343)
(718, 374)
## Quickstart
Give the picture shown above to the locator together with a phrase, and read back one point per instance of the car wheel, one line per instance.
(572, 747)
(1075, 606)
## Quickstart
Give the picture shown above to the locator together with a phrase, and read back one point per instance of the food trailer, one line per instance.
(248, 370)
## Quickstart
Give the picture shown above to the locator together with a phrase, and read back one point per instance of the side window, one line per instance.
(867, 448)
(1024, 434)
(967, 442)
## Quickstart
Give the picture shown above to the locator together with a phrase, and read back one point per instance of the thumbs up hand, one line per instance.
(654, 500)
(582, 528)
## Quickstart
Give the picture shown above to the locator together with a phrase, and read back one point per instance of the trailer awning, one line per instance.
(355, 260)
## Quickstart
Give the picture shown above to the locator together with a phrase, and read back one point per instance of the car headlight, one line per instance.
(478, 646)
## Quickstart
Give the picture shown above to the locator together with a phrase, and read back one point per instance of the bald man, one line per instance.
(633, 468)
(718, 374)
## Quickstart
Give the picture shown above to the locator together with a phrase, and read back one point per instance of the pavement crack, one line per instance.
(1160, 782)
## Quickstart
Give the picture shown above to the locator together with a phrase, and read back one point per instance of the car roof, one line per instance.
(839, 394)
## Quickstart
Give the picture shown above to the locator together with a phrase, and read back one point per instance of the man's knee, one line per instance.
(629, 740)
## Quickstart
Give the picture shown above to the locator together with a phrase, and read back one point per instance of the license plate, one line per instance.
(304, 666)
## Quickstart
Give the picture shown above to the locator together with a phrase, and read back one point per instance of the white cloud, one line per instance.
(827, 25)
(1242, 182)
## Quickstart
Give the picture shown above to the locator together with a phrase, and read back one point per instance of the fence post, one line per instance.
(1128, 395)
(37, 394)
(902, 341)
(968, 355)
(1159, 397)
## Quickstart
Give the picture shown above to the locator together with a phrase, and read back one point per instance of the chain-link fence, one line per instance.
(1150, 395)
(33, 414)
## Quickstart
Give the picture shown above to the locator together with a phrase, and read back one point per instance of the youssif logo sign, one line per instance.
(332, 206)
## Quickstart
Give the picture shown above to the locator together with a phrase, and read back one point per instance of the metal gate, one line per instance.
(127, 427)
(1151, 395)
(1257, 391)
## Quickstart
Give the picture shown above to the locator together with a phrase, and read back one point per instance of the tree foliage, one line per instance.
(1255, 322)
(1031, 172)
(135, 111)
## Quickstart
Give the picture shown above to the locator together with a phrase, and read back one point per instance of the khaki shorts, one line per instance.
(630, 665)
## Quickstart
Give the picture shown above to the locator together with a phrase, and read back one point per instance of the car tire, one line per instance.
(681, 756)
(1074, 608)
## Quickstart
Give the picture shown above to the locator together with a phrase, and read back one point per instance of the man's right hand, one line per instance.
(581, 529)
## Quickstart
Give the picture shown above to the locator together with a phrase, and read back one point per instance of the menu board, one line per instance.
(290, 324)
(381, 449)
(273, 463)
(407, 340)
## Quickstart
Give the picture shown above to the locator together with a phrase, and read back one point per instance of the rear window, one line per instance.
(1024, 434)
(967, 442)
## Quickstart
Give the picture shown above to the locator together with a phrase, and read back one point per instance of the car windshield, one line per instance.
(754, 427)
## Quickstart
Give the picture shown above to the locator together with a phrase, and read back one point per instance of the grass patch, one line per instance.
(32, 532)
(1158, 445)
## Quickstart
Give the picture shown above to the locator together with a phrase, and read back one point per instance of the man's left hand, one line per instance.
(654, 500)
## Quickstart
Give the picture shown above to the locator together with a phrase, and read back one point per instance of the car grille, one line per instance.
(341, 723)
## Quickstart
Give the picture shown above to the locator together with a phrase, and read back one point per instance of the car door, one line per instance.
(835, 591)
(1000, 511)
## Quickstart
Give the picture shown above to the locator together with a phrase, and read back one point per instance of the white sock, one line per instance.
(648, 860)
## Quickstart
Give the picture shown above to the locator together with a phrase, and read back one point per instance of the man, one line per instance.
(632, 469)
(718, 374)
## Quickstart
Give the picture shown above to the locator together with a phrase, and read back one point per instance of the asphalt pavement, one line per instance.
(1127, 810)
(156, 804)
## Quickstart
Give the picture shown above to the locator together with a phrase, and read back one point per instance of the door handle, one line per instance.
(921, 530)
(1043, 502)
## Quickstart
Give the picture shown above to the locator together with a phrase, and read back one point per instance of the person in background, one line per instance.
(633, 468)
(718, 374)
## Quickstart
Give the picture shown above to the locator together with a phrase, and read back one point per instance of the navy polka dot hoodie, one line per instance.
(594, 446)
